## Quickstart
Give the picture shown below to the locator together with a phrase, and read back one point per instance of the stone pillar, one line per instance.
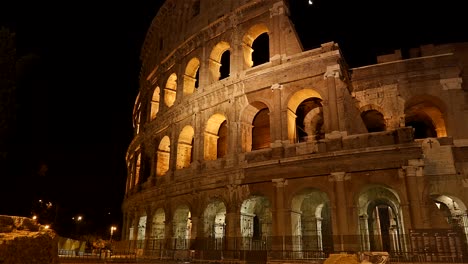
(169, 232)
(232, 229)
(414, 186)
(341, 206)
(276, 120)
(332, 123)
(281, 237)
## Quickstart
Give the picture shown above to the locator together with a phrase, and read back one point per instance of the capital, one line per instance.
(333, 71)
(338, 176)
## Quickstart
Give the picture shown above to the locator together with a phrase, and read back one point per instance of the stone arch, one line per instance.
(455, 213)
(155, 102)
(373, 118)
(137, 114)
(182, 226)
(141, 230)
(214, 223)
(212, 144)
(185, 148)
(311, 221)
(170, 91)
(252, 36)
(302, 108)
(426, 114)
(191, 76)
(381, 224)
(158, 226)
(163, 156)
(248, 116)
(256, 223)
(215, 59)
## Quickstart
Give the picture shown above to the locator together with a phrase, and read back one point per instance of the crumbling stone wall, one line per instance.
(24, 241)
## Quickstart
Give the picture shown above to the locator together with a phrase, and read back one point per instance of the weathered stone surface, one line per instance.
(22, 240)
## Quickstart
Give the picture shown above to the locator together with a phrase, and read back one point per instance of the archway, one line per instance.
(214, 224)
(256, 220)
(380, 220)
(182, 227)
(311, 221)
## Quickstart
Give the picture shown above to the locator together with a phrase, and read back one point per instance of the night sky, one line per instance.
(78, 65)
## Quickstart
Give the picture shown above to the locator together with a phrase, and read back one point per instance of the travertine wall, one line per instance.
(23, 241)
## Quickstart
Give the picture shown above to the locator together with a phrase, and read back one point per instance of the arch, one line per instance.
(158, 226)
(163, 155)
(155, 102)
(214, 225)
(185, 148)
(455, 213)
(261, 130)
(381, 219)
(373, 118)
(215, 60)
(305, 116)
(182, 227)
(137, 114)
(256, 220)
(248, 115)
(248, 44)
(311, 221)
(191, 77)
(425, 113)
(212, 142)
(170, 91)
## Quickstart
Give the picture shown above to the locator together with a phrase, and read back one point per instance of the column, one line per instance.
(341, 206)
(333, 72)
(413, 177)
(276, 121)
(281, 237)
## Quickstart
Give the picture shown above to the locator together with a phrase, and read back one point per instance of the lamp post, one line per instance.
(77, 220)
(112, 229)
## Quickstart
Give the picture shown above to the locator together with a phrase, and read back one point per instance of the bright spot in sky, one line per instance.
(310, 2)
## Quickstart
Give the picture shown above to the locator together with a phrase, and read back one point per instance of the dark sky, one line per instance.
(79, 79)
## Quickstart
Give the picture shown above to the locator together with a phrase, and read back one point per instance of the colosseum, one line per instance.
(246, 146)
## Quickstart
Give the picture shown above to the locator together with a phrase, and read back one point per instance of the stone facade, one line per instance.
(296, 151)
(23, 241)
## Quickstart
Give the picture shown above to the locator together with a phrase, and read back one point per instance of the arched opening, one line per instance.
(137, 115)
(214, 225)
(305, 116)
(380, 220)
(155, 102)
(216, 61)
(163, 154)
(212, 148)
(374, 121)
(182, 227)
(261, 49)
(191, 76)
(311, 221)
(184, 148)
(222, 140)
(309, 126)
(171, 90)
(261, 130)
(158, 227)
(141, 232)
(256, 46)
(455, 214)
(256, 220)
(225, 67)
(425, 114)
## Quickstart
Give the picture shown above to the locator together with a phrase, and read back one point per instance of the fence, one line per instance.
(250, 250)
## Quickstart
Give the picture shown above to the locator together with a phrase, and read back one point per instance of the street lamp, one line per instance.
(77, 220)
(112, 229)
